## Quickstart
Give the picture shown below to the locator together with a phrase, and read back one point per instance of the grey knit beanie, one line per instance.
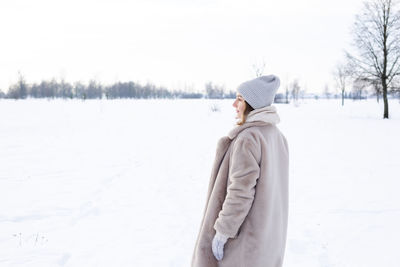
(260, 92)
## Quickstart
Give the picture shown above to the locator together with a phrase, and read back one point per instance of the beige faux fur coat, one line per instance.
(247, 197)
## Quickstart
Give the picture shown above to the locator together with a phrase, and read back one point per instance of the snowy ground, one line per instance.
(123, 182)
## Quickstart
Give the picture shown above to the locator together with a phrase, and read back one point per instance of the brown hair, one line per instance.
(246, 112)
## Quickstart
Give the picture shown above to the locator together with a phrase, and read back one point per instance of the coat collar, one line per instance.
(266, 114)
(257, 117)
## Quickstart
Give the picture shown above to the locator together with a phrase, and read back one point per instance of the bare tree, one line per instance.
(287, 90)
(327, 92)
(259, 68)
(20, 89)
(295, 90)
(376, 37)
(287, 93)
(377, 88)
(341, 75)
(65, 89)
(359, 86)
(214, 91)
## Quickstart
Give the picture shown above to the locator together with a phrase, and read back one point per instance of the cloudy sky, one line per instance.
(175, 43)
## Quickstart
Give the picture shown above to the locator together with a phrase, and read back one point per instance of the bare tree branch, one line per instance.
(376, 36)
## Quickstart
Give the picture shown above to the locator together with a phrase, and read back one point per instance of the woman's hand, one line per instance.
(218, 244)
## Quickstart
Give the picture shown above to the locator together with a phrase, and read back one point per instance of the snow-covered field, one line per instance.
(123, 182)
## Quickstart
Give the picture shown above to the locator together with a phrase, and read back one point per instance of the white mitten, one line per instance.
(218, 244)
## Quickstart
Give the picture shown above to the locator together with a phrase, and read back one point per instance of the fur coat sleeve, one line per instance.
(243, 174)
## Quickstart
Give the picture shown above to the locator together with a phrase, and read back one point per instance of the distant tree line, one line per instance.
(95, 90)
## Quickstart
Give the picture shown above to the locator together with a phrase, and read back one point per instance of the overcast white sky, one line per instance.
(174, 43)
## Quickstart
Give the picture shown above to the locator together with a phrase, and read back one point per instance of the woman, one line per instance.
(245, 218)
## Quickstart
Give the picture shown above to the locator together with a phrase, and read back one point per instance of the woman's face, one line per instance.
(239, 105)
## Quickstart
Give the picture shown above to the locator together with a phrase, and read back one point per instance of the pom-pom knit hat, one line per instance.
(260, 92)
